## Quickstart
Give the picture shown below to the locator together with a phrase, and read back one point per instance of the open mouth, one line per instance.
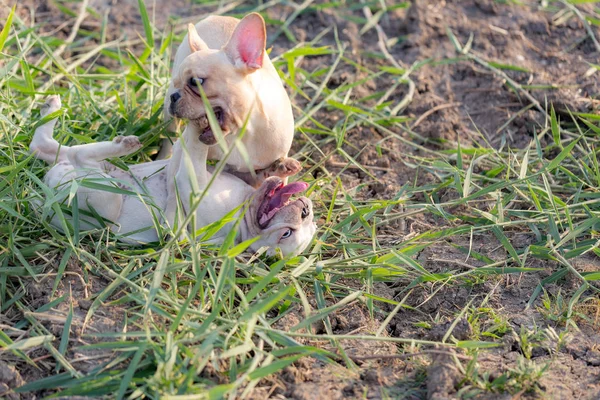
(207, 135)
(277, 197)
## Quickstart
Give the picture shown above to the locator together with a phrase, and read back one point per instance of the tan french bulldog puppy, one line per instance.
(278, 221)
(227, 58)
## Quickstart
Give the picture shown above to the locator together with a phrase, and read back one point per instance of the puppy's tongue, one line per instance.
(278, 199)
(283, 195)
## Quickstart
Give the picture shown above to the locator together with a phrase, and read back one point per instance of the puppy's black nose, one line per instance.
(305, 212)
(174, 97)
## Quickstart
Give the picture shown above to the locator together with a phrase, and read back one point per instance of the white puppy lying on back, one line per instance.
(229, 61)
(270, 215)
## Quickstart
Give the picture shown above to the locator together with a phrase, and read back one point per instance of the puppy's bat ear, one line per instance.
(194, 40)
(246, 47)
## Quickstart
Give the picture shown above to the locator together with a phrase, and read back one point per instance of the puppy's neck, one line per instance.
(249, 228)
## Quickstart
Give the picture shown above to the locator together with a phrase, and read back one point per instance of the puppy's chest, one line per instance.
(223, 196)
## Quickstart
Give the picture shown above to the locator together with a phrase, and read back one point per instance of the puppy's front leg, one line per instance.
(189, 175)
(192, 161)
(166, 145)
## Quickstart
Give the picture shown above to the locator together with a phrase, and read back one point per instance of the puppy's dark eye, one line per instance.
(287, 234)
(195, 82)
(305, 212)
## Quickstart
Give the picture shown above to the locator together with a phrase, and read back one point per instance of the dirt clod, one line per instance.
(10, 379)
(442, 375)
(462, 330)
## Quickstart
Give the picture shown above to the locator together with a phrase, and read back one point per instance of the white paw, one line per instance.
(51, 105)
(129, 143)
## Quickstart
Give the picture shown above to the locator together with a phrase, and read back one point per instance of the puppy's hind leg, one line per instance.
(43, 145)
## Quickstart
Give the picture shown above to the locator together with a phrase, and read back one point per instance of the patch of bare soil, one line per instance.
(364, 369)
(122, 16)
(75, 290)
(554, 57)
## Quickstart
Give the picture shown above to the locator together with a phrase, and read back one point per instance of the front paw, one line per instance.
(284, 167)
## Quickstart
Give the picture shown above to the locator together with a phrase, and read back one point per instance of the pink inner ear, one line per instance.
(251, 45)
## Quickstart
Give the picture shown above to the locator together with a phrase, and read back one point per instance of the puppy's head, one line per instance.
(225, 76)
(281, 222)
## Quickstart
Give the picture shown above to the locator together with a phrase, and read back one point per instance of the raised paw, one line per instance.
(51, 105)
(284, 167)
(129, 143)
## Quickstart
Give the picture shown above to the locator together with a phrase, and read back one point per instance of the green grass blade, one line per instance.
(6, 28)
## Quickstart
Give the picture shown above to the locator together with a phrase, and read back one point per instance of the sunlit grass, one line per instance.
(202, 320)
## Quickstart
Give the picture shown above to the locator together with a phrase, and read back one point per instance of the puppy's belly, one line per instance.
(104, 203)
(59, 174)
(141, 214)
(136, 223)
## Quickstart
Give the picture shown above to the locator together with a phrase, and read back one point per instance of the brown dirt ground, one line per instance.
(467, 98)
